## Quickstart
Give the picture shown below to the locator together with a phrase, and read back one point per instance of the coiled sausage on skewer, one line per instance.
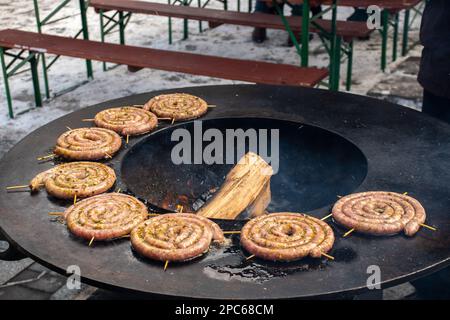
(175, 237)
(177, 106)
(88, 144)
(126, 120)
(379, 213)
(106, 216)
(83, 179)
(286, 236)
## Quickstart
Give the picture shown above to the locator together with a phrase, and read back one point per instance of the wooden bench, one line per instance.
(345, 29)
(138, 57)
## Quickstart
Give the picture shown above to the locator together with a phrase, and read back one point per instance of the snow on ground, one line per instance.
(150, 31)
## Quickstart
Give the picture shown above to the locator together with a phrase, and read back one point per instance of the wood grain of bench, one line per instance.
(346, 29)
(226, 68)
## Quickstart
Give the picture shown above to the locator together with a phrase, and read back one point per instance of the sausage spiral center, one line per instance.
(126, 120)
(380, 213)
(286, 236)
(178, 106)
(105, 216)
(175, 237)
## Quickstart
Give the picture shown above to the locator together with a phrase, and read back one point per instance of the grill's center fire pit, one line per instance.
(312, 166)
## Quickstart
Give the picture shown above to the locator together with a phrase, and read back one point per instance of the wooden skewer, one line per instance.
(249, 257)
(164, 118)
(88, 120)
(179, 208)
(231, 232)
(348, 232)
(405, 193)
(173, 121)
(166, 264)
(128, 138)
(107, 155)
(339, 196)
(118, 190)
(428, 227)
(17, 187)
(46, 157)
(326, 217)
(92, 240)
(327, 255)
(212, 106)
(69, 128)
(75, 199)
(153, 214)
(137, 105)
(126, 236)
(56, 213)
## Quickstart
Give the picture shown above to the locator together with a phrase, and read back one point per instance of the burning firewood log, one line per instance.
(246, 187)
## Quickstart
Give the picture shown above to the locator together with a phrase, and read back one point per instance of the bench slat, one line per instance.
(226, 68)
(346, 29)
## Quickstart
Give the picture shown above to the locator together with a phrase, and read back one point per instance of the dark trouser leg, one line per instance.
(438, 107)
(259, 34)
(360, 14)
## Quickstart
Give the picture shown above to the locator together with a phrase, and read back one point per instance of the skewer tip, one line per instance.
(250, 257)
(166, 264)
(327, 256)
(348, 233)
(90, 242)
(326, 217)
(428, 227)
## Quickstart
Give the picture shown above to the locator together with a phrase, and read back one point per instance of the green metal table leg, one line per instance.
(85, 35)
(305, 34)
(200, 27)
(225, 5)
(405, 33)
(121, 28)
(170, 26)
(384, 36)
(185, 23)
(395, 38)
(239, 5)
(35, 78)
(335, 58)
(44, 73)
(348, 82)
(5, 79)
(44, 64)
(336, 65)
(102, 34)
(250, 5)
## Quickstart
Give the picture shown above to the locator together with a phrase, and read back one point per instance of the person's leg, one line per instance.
(260, 34)
(435, 106)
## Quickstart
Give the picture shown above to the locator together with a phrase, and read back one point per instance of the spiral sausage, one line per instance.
(286, 236)
(175, 237)
(126, 120)
(380, 213)
(177, 106)
(106, 216)
(88, 144)
(84, 179)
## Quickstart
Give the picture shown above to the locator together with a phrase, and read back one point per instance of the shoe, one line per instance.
(259, 35)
